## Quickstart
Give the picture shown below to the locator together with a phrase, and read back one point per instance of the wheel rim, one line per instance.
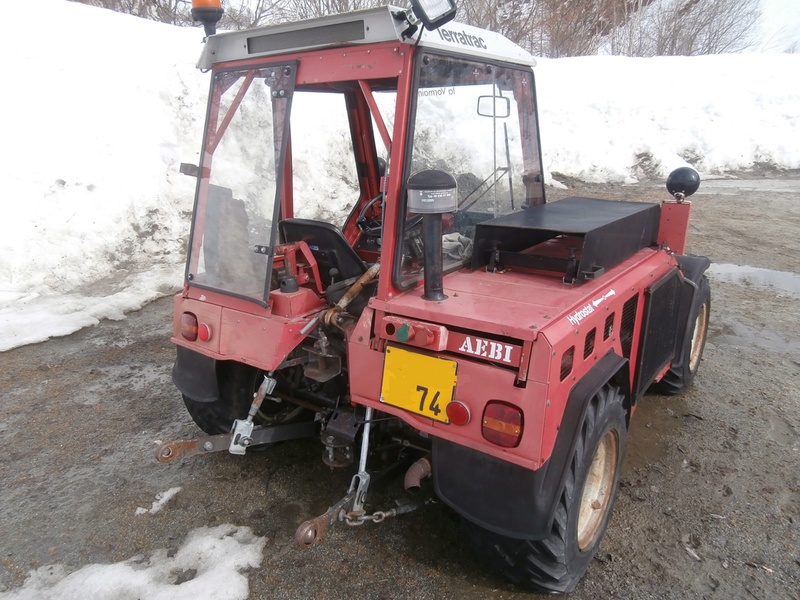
(698, 337)
(598, 490)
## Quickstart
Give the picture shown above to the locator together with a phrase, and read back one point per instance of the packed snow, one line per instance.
(212, 563)
(160, 502)
(101, 108)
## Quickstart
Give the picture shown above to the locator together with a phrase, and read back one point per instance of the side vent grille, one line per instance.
(567, 362)
(626, 327)
(608, 328)
(588, 344)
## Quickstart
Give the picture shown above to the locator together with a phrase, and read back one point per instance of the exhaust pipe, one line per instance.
(431, 193)
(420, 470)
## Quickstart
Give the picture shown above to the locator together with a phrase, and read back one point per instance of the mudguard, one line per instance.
(693, 268)
(195, 375)
(508, 499)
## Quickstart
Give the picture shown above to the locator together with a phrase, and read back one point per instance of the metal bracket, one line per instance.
(241, 437)
(360, 486)
(243, 429)
(339, 438)
(322, 366)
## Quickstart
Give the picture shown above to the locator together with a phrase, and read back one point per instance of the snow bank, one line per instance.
(101, 108)
(619, 119)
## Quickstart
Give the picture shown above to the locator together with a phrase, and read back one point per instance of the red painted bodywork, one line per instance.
(518, 321)
(533, 312)
(674, 225)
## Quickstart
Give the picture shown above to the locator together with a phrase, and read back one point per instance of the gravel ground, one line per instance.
(710, 499)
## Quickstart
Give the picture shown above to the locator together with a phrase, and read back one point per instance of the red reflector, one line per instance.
(189, 326)
(502, 424)
(204, 332)
(457, 413)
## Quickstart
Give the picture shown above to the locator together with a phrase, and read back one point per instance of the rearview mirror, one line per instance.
(498, 107)
(190, 169)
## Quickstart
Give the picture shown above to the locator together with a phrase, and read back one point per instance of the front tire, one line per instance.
(557, 563)
(237, 384)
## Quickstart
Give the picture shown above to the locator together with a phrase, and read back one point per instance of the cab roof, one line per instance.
(369, 26)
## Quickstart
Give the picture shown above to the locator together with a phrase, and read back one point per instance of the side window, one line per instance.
(235, 204)
(325, 181)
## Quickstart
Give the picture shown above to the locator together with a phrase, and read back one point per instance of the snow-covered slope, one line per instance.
(100, 108)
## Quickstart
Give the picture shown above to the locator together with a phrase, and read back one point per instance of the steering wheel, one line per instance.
(370, 227)
(373, 227)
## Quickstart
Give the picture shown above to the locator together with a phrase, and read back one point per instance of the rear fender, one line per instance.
(195, 375)
(511, 500)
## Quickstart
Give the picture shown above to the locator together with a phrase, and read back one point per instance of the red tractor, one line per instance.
(372, 261)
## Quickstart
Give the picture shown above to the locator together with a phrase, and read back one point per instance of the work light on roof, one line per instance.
(434, 13)
(208, 12)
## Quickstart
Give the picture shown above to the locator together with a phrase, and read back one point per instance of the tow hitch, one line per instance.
(350, 508)
(312, 531)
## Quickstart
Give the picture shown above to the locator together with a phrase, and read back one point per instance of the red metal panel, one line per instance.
(221, 299)
(552, 316)
(254, 340)
(571, 328)
(674, 225)
(241, 336)
(294, 304)
(416, 333)
(512, 304)
(477, 384)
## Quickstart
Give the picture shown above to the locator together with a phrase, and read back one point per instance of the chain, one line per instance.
(355, 518)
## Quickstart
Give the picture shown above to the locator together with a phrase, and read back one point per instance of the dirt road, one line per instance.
(710, 502)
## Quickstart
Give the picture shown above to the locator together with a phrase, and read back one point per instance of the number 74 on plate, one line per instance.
(418, 383)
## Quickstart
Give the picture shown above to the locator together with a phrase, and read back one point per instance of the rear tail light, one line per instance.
(502, 424)
(189, 326)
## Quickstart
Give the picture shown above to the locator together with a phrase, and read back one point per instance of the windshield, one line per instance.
(233, 231)
(477, 122)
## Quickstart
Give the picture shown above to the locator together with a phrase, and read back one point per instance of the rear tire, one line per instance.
(557, 563)
(680, 376)
(237, 384)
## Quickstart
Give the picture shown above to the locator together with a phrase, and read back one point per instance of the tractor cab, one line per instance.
(313, 132)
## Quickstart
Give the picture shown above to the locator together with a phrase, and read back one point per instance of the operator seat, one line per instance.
(335, 257)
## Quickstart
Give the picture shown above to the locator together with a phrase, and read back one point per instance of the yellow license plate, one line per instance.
(418, 383)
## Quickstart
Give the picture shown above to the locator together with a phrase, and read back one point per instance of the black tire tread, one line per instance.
(543, 565)
(237, 383)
